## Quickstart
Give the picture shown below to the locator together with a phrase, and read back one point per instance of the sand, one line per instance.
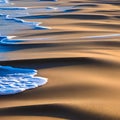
(79, 56)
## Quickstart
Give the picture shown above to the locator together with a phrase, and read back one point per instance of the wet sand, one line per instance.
(79, 56)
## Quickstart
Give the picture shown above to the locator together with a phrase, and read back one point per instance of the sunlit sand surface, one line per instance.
(73, 43)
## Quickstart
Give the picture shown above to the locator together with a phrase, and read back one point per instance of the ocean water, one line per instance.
(16, 80)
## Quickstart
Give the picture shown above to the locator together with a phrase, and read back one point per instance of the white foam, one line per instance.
(16, 80)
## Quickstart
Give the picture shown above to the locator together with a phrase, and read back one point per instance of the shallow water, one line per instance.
(76, 45)
(16, 80)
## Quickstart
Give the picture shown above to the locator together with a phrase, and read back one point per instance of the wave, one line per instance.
(15, 80)
(3, 1)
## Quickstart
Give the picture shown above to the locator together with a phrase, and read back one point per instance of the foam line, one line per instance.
(16, 80)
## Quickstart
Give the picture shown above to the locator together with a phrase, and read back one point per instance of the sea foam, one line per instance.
(16, 80)
(3, 1)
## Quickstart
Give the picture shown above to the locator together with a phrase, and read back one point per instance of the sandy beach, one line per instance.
(76, 46)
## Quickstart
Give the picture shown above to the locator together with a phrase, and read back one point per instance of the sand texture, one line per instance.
(76, 46)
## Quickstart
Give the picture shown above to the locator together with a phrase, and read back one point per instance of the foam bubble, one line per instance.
(16, 80)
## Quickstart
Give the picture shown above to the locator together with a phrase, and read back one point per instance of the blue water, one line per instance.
(16, 80)
(12, 16)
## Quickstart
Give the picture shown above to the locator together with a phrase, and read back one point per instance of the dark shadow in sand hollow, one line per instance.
(62, 46)
(52, 110)
(61, 92)
(59, 62)
(87, 5)
(35, 17)
(70, 16)
(82, 17)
